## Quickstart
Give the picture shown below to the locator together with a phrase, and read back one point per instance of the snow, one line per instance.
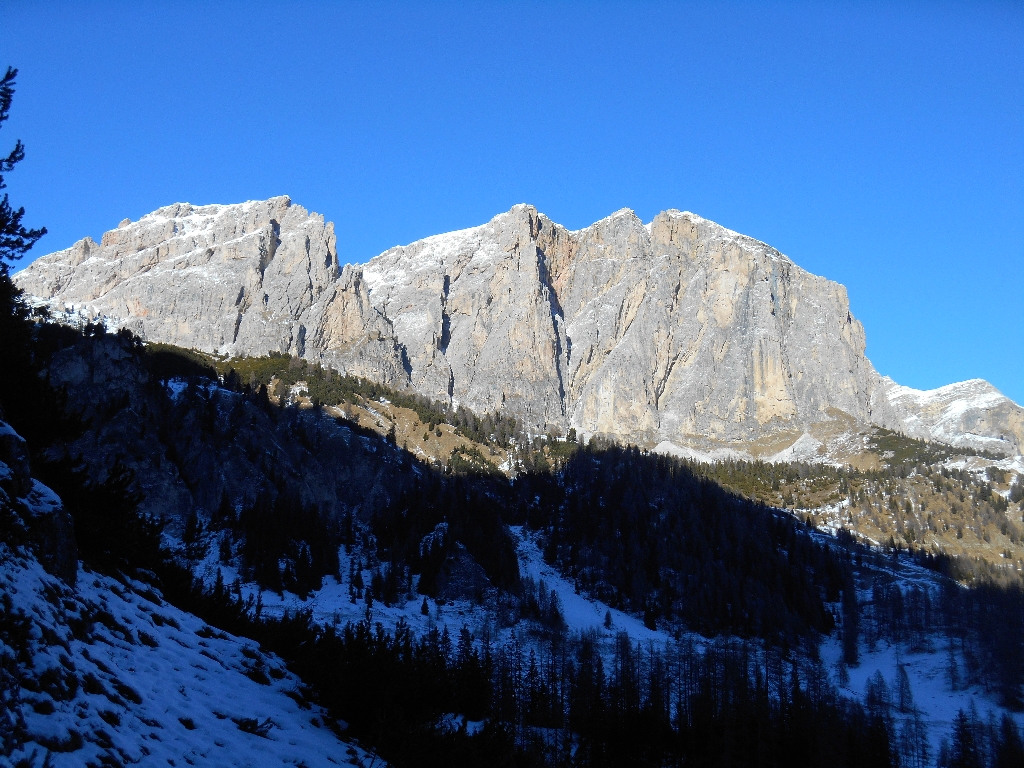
(804, 449)
(940, 413)
(933, 696)
(456, 722)
(154, 684)
(332, 602)
(581, 614)
(668, 448)
(977, 390)
(41, 500)
(176, 386)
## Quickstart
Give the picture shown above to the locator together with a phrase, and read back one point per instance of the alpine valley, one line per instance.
(630, 495)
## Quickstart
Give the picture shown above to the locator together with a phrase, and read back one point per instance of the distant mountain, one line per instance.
(678, 332)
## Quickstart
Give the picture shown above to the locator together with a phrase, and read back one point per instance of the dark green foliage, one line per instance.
(984, 627)
(1017, 490)
(15, 240)
(541, 605)
(643, 533)
(965, 750)
(988, 621)
(112, 533)
(755, 479)
(27, 403)
(469, 508)
(328, 387)
(734, 704)
(851, 621)
(1008, 749)
(898, 449)
(466, 461)
(166, 361)
(286, 544)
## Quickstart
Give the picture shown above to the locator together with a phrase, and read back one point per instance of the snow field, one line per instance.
(120, 673)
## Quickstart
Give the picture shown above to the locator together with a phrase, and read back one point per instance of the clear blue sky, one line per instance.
(878, 144)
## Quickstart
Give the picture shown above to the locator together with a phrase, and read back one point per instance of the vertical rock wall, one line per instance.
(676, 330)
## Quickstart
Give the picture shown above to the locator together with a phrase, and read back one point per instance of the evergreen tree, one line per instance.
(1009, 749)
(15, 240)
(904, 695)
(851, 621)
(964, 750)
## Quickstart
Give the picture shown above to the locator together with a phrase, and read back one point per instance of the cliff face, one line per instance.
(238, 277)
(678, 330)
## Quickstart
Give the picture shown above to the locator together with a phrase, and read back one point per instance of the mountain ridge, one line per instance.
(677, 330)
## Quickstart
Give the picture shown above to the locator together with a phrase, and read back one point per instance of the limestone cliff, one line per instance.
(212, 277)
(678, 330)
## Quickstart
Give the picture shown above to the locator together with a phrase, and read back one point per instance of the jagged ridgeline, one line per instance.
(677, 333)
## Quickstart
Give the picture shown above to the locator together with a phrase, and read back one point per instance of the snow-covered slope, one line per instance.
(935, 701)
(98, 671)
(332, 602)
(108, 668)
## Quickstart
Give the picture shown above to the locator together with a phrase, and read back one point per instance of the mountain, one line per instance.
(323, 576)
(679, 332)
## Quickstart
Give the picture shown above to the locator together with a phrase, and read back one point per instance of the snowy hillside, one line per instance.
(102, 671)
(932, 707)
(110, 673)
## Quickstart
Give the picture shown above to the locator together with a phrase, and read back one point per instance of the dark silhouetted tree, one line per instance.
(15, 240)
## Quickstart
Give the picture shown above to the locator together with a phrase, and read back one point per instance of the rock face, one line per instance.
(238, 277)
(970, 413)
(31, 510)
(679, 330)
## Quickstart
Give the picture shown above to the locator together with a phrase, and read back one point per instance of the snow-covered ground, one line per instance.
(581, 613)
(332, 602)
(115, 670)
(127, 673)
(934, 698)
(929, 683)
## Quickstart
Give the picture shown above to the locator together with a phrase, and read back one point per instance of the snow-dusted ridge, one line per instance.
(962, 414)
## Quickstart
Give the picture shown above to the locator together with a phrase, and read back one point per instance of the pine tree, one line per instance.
(15, 240)
(1009, 749)
(904, 695)
(851, 621)
(964, 750)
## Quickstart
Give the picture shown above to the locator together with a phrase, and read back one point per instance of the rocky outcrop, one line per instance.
(191, 447)
(971, 414)
(233, 278)
(34, 510)
(678, 330)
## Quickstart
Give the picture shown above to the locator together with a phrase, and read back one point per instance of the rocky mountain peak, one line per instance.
(678, 331)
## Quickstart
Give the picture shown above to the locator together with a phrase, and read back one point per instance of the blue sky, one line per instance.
(878, 144)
